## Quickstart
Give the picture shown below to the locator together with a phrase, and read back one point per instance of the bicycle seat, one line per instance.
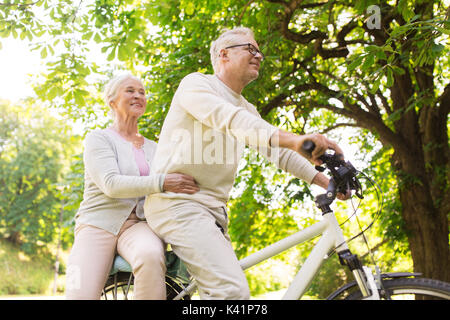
(120, 265)
(175, 267)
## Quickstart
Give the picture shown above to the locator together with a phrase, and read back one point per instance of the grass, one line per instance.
(23, 274)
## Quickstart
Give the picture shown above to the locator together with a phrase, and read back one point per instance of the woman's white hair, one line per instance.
(227, 38)
(112, 88)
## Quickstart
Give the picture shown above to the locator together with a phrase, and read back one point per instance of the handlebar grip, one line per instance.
(308, 146)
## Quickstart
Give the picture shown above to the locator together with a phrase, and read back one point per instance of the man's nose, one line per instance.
(259, 56)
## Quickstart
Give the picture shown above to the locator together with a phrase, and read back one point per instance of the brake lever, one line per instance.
(320, 169)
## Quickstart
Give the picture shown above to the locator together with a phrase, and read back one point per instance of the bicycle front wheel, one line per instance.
(410, 289)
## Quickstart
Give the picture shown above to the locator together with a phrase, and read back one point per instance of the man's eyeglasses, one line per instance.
(251, 48)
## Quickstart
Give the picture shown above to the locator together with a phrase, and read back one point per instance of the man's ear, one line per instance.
(223, 54)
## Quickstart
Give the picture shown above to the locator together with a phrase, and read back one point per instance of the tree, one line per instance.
(35, 149)
(373, 64)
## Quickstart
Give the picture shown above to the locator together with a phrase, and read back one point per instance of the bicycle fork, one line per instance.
(367, 282)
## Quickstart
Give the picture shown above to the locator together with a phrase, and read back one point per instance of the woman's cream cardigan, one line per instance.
(113, 185)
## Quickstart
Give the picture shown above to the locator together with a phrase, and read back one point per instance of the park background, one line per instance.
(372, 75)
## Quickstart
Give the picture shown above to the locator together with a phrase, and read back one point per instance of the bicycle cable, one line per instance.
(377, 214)
(379, 198)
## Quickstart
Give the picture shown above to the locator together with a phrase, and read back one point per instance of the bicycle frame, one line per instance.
(332, 237)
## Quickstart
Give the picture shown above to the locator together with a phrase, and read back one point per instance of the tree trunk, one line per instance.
(426, 224)
(14, 238)
(419, 171)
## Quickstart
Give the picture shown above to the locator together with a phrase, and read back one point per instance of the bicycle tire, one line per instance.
(410, 289)
(121, 289)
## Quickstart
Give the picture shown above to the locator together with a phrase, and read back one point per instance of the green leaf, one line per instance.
(356, 62)
(52, 93)
(79, 99)
(398, 70)
(68, 97)
(190, 8)
(381, 55)
(396, 115)
(87, 35)
(388, 48)
(112, 54)
(123, 53)
(389, 77)
(375, 86)
(368, 62)
(417, 16)
(44, 53)
(97, 38)
(445, 31)
(405, 10)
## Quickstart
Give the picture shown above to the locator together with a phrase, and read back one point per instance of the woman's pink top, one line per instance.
(142, 164)
(139, 157)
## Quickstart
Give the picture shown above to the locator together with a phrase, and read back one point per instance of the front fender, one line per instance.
(389, 275)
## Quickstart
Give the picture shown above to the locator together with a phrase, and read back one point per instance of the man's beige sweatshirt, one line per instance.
(204, 135)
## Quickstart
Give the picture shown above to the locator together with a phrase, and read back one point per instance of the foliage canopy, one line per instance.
(381, 66)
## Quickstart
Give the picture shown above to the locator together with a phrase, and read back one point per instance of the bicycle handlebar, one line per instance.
(343, 172)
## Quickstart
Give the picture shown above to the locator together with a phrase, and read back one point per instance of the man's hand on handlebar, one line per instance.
(321, 144)
(344, 197)
(322, 181)
(344, 175)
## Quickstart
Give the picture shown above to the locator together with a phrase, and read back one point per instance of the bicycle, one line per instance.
(367, 285)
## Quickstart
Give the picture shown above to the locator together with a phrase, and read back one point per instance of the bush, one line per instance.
(23, 274)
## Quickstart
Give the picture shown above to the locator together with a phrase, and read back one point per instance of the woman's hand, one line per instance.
(180, 183)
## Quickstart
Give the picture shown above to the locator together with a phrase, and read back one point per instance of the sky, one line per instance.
(17, 63)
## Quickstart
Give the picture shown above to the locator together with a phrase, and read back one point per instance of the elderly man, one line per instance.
(204, 134)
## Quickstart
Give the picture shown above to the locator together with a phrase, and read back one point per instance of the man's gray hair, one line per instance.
(227, 38)
(112, 88)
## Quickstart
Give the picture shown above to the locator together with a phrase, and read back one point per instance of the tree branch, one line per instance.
(295, 4)
(278, 100)
(362, 118)
(289, 9)
(373, 107)
(337, 125)
(340, 37)
(243, 11)
(384, 102)
(341, 111)
(319, 36)
(339, 52)
(274, 103)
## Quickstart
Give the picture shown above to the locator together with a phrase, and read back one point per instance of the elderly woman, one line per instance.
(110, 219)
